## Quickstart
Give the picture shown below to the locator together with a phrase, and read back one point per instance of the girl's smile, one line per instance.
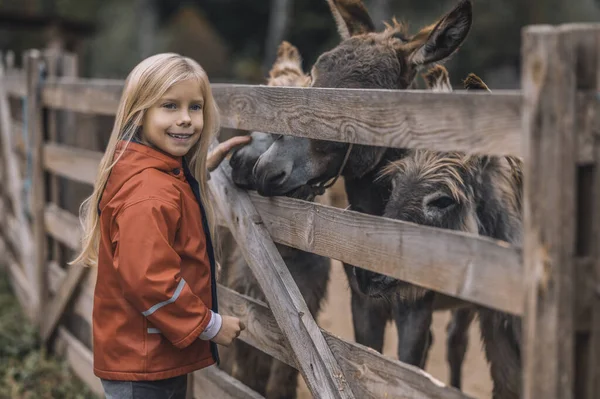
(174, 123)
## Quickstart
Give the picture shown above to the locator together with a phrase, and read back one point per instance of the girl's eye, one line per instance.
(196, 107)
(169, 106)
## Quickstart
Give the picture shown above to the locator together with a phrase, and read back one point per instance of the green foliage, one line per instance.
(26, 371)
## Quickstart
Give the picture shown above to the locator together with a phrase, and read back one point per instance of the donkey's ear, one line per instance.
(351, 17)
(474, 82)
(435, 44)
(437, 79)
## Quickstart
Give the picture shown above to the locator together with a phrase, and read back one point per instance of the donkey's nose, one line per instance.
(235, 160)
(275, 179)
(271, 183)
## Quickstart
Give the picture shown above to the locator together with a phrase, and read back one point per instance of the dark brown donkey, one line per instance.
(261, 372)
(369, 60)
(476, 194)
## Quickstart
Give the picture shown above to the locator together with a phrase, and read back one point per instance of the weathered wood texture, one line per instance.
(213, 382)
(80, 359)
(57, 305)
(548, 79)
(91, 96)
(18, 280)
(370, 375)
(73, 163)
(462, 121)
(84, 300)
(63, 226)
(16, 83)
(36, 274)
(58, 123)
(587, 382)
(487, 123)
(313, 356)
(12, 182)
(454, 263)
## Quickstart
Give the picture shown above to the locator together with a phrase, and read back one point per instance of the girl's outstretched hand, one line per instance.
(231, 328)
(216, 156)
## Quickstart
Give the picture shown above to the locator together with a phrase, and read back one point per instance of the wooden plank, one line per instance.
(80, 360)
(314, 358)
(58, 303)
(12, 186)
(63, 226)
(91, 96)
(12, 228)
(18, 280)
(73, 163)
(84, 302)
(461, 121)
(454, 263)
(548, 81)
(369, 374)
(35, 134)
(59, 64)
(392, 118)
(588, 78)
(211, 382)
(445, 121)
(15, 83)
(18, 144)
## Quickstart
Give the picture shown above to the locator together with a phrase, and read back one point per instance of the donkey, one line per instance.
(373, 60)
(476, 194)
(261, 372)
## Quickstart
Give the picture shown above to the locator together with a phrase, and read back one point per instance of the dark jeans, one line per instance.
(171, 388)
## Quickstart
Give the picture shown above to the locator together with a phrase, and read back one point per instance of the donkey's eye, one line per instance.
(442, 202)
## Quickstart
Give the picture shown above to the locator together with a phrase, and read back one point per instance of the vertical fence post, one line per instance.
(592, 80)
(59, 123)
(548, 83)
(35, 178)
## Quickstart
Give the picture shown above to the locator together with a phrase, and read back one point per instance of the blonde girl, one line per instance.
(147, 227)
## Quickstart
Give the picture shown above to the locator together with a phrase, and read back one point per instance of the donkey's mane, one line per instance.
(398, 29)
(436, 168)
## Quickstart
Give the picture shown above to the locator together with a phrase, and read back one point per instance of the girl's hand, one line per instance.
(216, 156)
(231, 327)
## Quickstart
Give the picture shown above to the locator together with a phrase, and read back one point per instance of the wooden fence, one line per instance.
(553, 282)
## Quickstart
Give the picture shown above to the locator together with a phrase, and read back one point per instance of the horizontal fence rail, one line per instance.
(488, 123)
(453, 263)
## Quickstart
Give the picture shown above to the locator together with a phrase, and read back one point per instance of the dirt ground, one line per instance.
(336, 318)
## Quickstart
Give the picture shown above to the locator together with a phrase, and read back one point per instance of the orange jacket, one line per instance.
(155, 286)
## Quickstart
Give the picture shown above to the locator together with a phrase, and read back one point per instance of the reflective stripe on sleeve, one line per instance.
(168, 301)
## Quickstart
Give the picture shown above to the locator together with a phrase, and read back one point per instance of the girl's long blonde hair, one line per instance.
(144, 86)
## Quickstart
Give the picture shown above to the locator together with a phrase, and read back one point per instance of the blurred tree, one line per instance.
(147, 19)
(279, 19)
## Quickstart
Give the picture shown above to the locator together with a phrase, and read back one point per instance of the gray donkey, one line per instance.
(374, 60)
(259, 371)
(476, 194)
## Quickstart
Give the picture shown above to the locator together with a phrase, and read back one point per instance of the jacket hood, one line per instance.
(135, 159)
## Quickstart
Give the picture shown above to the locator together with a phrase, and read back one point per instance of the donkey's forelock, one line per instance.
(445, 170)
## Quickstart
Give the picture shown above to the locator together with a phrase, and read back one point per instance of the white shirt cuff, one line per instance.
(213, 327)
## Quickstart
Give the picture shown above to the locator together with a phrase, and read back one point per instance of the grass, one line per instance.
(26, 370)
